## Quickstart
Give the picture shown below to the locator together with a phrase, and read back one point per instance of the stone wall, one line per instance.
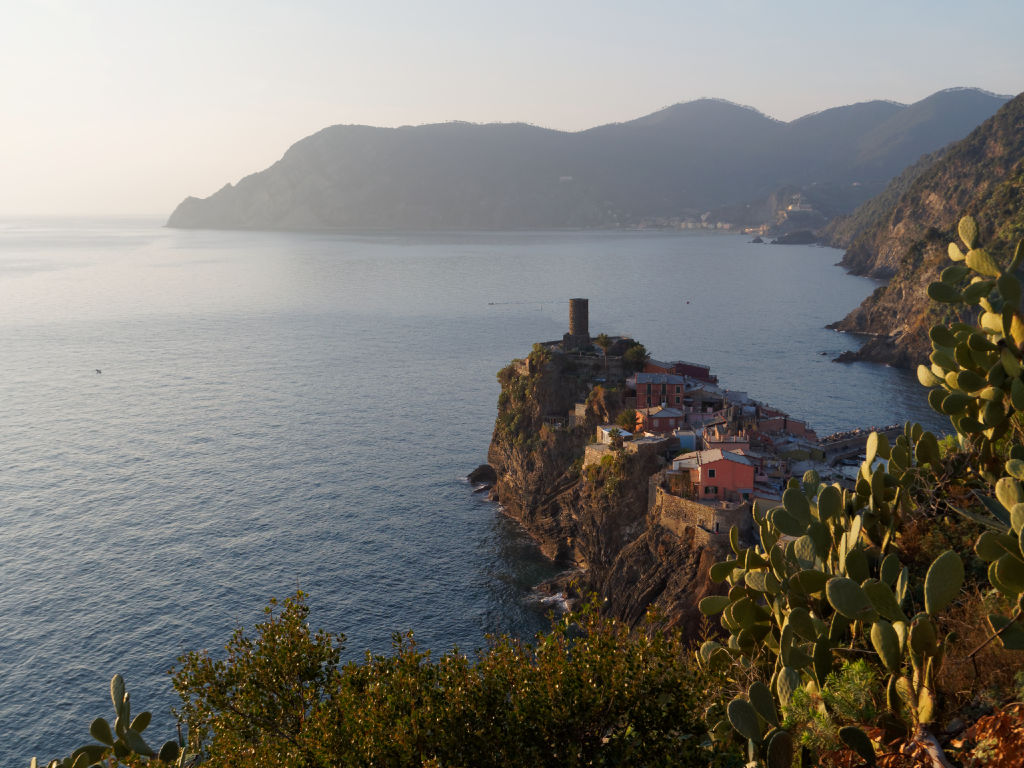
(678, 515)
(853, 442)
(594, 452)
(645, 446)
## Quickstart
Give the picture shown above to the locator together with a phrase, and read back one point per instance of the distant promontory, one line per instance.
(699, 164)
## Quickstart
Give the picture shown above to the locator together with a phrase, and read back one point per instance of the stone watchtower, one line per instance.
(579, 324)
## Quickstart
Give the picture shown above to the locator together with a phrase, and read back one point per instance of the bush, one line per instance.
(627, 420)
(254, 706)
(590, 692)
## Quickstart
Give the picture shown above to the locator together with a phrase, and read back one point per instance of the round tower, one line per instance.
(579, 321)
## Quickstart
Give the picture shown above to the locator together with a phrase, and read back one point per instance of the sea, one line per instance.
(195, 422)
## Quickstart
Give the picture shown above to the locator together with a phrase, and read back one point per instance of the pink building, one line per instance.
(716, 475)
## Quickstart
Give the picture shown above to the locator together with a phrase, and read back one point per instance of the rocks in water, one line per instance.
(483, 474)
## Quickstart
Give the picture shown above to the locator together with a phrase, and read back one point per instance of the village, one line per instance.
(720, 450)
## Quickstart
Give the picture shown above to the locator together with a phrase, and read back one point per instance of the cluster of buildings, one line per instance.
(719, 445)
(704, 221)
(721, 450)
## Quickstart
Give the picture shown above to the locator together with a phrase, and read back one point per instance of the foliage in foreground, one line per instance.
(123, 743)
(590, 692)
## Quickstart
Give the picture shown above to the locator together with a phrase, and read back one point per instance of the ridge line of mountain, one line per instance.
(680, 164)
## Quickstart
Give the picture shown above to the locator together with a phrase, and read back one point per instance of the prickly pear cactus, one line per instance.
(975, 370)
(824, 585)
(976, 378)
(121, 743)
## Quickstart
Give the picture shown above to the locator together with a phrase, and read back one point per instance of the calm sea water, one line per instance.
(195, 422)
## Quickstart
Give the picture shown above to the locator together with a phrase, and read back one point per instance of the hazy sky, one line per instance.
(127, 106)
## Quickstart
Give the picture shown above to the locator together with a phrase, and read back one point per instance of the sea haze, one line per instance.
(195, 422)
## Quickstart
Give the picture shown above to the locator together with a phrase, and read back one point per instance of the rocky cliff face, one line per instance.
(594, 518)
(983, 175)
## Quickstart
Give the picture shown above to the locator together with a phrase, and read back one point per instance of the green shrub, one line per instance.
(627, 420)
(850, 696)
(590, 692)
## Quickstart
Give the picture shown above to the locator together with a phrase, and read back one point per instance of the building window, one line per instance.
(711, 473)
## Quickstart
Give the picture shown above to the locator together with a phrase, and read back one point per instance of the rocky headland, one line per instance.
(596, 520)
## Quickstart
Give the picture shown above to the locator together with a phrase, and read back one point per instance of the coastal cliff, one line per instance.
(595, 520)
(903, 235)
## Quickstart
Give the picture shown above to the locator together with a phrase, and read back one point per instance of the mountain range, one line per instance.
(702, 157)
